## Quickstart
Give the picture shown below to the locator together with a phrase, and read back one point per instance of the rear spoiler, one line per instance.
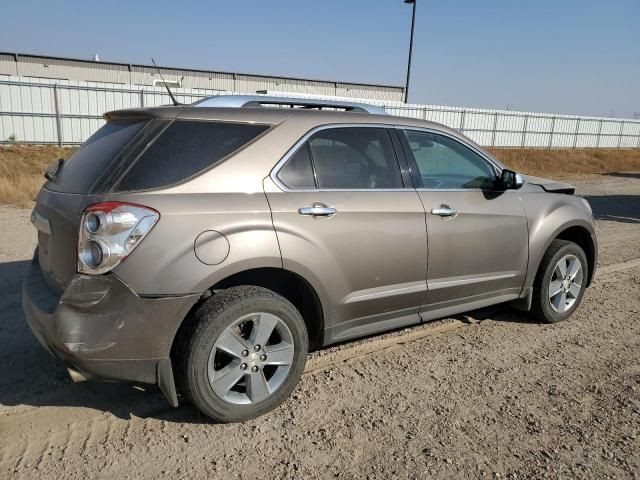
(164, 113)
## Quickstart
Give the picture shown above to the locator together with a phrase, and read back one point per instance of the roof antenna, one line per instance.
(173, 99)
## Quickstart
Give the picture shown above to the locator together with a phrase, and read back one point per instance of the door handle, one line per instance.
(444, 211)
(318, 210)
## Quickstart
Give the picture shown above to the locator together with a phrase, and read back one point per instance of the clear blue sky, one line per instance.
(565, 56)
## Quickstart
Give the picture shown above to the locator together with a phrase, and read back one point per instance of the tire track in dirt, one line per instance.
(43, 434)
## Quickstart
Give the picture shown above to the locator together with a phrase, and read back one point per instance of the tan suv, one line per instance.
(217, 243)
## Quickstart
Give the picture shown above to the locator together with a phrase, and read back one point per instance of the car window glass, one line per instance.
(444, 163)
(81, 171)
(184, 149)
(297, 173)
(355, 158)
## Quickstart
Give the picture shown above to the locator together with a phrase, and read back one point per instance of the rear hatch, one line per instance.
(80, 181)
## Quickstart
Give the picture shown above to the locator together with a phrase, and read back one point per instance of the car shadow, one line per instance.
(616, 208)
(501, 312)
(623, 174)
(33, 377)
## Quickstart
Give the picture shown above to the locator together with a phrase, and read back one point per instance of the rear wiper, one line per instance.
(53, 169)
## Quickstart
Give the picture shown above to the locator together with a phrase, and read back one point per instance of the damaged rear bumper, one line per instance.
(102, 329)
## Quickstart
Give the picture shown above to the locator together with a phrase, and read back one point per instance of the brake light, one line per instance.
(109, 231)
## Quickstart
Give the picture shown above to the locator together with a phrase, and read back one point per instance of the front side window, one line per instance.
(444, 163)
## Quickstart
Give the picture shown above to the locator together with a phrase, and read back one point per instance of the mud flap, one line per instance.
(166, 382)
(523, 303)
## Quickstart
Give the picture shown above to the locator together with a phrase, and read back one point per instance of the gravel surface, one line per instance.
(488, 394)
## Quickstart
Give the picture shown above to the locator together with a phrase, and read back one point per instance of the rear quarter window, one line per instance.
(185, 149)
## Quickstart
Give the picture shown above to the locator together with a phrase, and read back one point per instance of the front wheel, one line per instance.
(560, 283)
(244, 353)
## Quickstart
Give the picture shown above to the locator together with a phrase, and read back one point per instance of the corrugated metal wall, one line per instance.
(30, 113)
(34, 66)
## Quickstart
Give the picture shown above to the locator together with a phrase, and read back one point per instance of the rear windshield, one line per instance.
(81, 171)
(184, 149)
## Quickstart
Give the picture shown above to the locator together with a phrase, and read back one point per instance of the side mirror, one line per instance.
(510, 180)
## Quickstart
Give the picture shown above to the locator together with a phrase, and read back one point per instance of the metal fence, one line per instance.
(68, 112)
(500, 128)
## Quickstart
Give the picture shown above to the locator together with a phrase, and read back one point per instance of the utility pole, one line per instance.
(413, 22)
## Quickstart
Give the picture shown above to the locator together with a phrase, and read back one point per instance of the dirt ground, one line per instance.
(489, 394)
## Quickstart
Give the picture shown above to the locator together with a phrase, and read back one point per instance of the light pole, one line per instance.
(413, 22)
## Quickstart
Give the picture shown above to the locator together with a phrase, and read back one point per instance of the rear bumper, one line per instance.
(102, 329)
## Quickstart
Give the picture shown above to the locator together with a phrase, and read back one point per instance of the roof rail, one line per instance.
(240, 101)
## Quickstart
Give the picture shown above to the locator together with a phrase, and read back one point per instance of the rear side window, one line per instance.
(82, 170)
(355, 158)
(184, 149)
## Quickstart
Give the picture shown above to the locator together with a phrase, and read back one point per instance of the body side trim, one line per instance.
(385, 291)
(363, 326)
(467, 280)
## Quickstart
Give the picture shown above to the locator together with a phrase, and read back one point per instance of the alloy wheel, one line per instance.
(251, 359)
(565, 284)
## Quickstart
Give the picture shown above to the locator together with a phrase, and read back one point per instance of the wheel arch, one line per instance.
(582, 235)
(288, 284)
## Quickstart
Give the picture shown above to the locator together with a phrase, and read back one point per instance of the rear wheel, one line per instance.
(244, 354)
(560, 282)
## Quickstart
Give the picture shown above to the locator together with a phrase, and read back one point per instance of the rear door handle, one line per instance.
(444, 211)
(318, 210)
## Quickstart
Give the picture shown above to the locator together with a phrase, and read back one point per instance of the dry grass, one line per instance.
(22, 166)
(21, 171)
(569, 162)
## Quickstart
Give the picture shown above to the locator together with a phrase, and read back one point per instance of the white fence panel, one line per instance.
(30, 113)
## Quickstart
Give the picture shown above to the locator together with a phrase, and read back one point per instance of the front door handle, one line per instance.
(444, 211)
(318, 210)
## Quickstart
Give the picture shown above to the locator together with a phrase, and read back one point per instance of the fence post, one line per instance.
(524, 130)
(575, 138)
(56, 101)
(424, 113)
(495, 128)
(599, 133)
(553, 127)
(464, 112)
(142, 98)
(620, 134)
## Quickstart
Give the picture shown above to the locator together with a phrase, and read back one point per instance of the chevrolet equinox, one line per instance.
(207, 248)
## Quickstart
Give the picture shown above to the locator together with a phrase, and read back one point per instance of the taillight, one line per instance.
(109, 231)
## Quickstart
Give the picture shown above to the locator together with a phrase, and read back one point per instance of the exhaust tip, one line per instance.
(76, 376)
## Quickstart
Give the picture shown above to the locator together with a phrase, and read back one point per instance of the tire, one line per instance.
(553, 309)
(204, 366)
